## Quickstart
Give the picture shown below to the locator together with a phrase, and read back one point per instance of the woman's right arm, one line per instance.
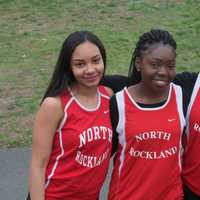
(115, 82)
(186, 80)
(114, 115)
(46, 122)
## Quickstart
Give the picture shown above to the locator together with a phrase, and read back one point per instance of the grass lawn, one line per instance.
(32, 32)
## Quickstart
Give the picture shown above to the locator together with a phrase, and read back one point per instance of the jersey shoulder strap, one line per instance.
(65, 98)
(103, 91)
(180, 103)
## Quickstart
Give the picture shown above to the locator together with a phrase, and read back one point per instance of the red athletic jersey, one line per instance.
(147, 162)
(191, 161)
(81, 150)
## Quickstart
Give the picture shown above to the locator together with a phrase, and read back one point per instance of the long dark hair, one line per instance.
(145, 41)
(62, 76)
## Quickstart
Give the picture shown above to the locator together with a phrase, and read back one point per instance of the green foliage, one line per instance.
(32, 32)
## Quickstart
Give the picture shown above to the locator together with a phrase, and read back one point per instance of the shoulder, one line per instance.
(181, 92)
(51, 105)
(64, 97)
(109, 91)
(105, 91)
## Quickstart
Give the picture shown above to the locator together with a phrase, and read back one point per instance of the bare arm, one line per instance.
(47, 120)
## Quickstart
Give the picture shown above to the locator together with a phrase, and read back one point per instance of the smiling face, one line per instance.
(87, 65)
(157, 66)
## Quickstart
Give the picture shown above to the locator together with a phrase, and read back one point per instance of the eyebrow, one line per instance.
(77, 60)
(158, 59)
(80, 60)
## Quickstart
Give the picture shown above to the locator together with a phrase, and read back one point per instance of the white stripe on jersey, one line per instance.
(120, 126)
(105, 96)
(151, 109)
(179, 100)
(61, 142)
(100, 94)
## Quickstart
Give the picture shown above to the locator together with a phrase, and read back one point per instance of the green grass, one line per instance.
(32, 32)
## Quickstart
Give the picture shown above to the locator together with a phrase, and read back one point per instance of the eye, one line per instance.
(171, 66)
(155, 65)
(96, 60)
(79, 65)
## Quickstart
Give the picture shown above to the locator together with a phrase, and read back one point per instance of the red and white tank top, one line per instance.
(191, 161)
(147, 164)
(81, 150)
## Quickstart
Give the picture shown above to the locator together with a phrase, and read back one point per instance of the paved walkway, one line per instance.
(14, 173)
(14, 164)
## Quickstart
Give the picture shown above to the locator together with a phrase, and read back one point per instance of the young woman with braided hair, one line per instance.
(149, 124)
(190, 83)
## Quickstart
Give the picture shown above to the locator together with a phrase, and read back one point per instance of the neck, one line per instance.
(145, 95)
(84, 91)
(87, 96)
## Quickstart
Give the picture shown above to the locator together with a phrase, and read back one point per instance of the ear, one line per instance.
(137, 63)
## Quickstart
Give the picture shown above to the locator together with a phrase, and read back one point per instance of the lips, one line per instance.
(161, 82)
(92, 78)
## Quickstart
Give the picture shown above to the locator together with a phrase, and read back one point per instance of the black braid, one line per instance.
(145, 41)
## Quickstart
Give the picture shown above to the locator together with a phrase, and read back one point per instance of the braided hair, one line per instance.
(148, 39)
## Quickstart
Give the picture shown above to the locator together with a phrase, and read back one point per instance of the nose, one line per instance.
(90, 68)
(163, 70)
